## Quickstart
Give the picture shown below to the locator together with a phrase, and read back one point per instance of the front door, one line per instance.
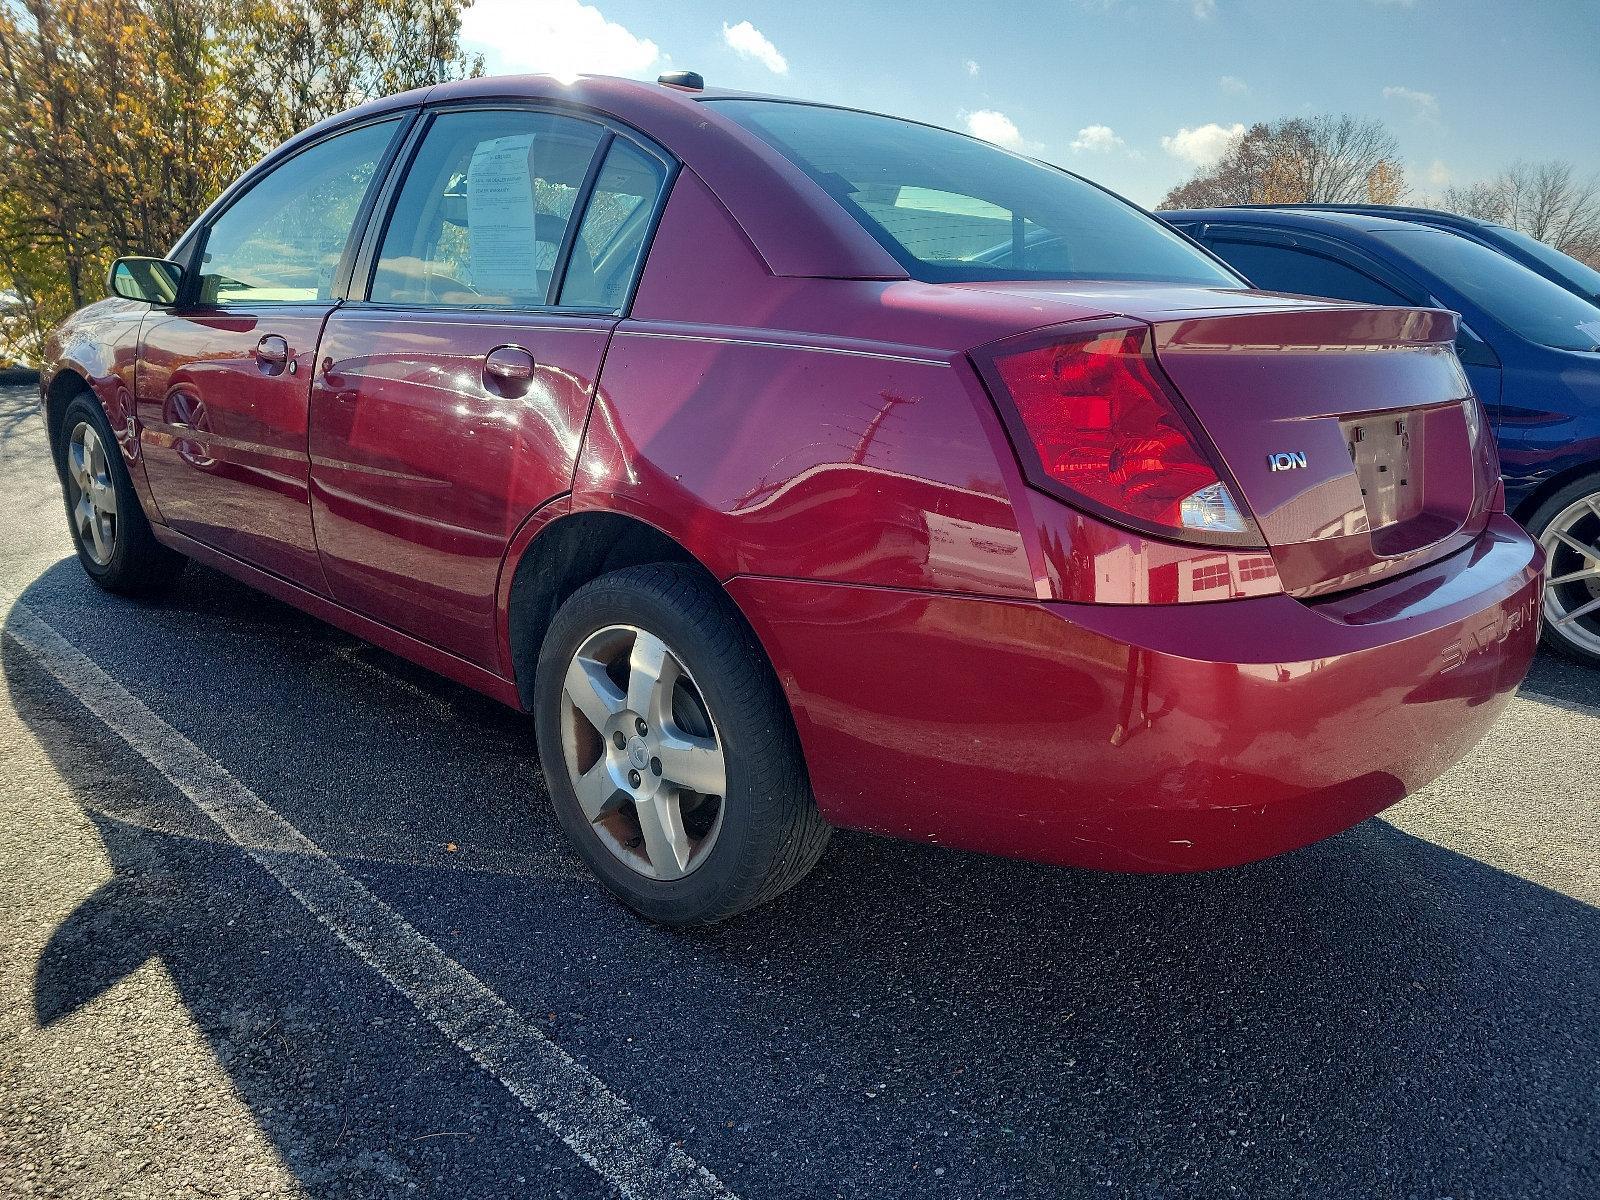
(224, 378)
(450, 400)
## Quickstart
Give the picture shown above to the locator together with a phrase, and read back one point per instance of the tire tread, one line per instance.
(1537, 522)
(140, 565)
(790, 834)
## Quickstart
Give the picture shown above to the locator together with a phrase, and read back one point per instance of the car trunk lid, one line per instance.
(1349, 430)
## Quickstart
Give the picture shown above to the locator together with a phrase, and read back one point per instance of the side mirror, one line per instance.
(152, 280)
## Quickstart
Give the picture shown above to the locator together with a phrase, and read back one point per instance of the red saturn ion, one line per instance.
(799, 467)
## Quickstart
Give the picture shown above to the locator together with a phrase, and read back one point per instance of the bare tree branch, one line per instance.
(1324, 159)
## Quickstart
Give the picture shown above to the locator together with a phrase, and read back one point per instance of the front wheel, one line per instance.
(668, 749)
(1568, 526)
(109, 528)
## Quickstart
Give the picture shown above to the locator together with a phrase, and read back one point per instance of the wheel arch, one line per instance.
(66, 383)
(566, 551)
(1532, 502)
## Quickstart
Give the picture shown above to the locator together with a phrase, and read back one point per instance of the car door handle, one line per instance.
(508, 369)
(271, 354)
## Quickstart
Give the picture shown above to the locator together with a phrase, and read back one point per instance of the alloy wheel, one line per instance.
(1572, 587)
(642, 751)
(91, 493)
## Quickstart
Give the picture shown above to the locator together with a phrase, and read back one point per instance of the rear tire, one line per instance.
(1568, 526)
(109, 529)
(647, 677)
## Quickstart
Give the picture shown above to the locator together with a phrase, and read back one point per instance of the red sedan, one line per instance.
(799, 467)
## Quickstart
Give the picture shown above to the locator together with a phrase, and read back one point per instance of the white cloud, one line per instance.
(750, 42)
(1204, 10)
(561, 37)
(972, 67)
(1097, 138)
(1426, 104)
(994, 127)
(1204, 144)
(1233, 85)
(1439, 175)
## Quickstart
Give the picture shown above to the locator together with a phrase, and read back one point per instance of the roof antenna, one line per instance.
(692, 80)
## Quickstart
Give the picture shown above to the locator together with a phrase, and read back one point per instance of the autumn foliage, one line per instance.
(121, 119)
(1300, 160)
(1350, 160)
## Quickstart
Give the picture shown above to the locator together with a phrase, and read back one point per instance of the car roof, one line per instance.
(1290, 217)
(1409, 213)
(796, 227)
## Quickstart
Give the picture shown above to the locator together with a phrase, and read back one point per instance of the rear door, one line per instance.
(451, 392)
(224, 376)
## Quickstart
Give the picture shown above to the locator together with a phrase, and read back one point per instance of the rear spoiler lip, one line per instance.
(1348, 329)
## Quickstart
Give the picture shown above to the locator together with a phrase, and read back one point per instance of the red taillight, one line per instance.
(1104, 428)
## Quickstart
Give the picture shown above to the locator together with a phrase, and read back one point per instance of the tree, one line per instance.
(1546, 200)
(120, 119)
(294, 62)
(1325, 159)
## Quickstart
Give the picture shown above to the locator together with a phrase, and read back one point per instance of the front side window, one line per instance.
(281, 242)
(1526, 303)
(483, 213)
(951, 208)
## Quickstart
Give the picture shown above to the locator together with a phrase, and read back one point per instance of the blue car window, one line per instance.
(1577, 274)
(1527, 304)
(1286, 269)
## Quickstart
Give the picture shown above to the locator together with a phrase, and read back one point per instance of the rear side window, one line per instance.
(1578, 275)
(952, 208)
(1524, 302)
(483, 213)
(282, 241)
(615, 226)
(1283, 269)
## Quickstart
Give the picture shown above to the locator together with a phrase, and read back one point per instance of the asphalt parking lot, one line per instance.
(283, 915)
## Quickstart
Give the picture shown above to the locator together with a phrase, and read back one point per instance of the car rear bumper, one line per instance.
(1143, 737)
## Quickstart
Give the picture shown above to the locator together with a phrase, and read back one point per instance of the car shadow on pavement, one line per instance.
(1375, 1015)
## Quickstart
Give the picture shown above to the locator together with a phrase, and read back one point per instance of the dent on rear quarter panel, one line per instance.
(768, 452)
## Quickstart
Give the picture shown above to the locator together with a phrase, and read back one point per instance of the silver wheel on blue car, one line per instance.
(1568, 526)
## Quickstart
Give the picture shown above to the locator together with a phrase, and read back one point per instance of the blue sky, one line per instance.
(1132, 93)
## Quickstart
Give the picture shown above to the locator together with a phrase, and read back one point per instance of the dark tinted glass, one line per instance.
(483, 210)
(1526, 303)
(614, 229)
(1579, 275)
(1282, 269)
(950, 207)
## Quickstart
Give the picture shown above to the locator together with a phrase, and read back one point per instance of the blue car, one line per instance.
(1578, 278)
(1531, 350)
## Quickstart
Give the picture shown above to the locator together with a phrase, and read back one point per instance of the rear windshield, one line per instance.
(1579, 275)
(951, 208)
(1526, 303)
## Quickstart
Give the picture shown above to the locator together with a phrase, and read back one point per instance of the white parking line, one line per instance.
(567, 1098)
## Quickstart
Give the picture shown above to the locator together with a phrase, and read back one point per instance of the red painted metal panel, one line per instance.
(1145, 738)
(424, 466)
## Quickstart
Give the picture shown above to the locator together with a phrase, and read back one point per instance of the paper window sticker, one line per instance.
(502, 252)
